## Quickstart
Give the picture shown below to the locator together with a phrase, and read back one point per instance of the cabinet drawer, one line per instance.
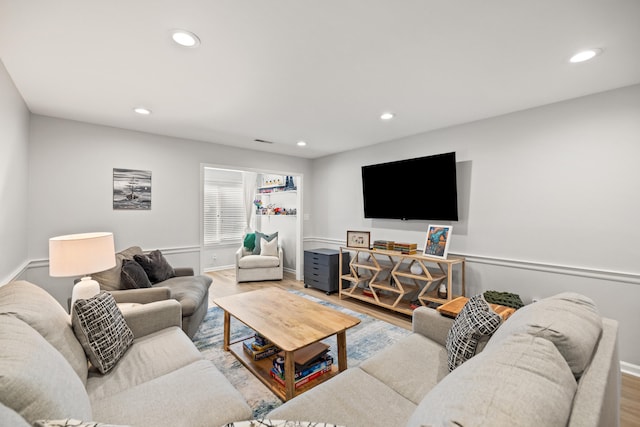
(319, 259)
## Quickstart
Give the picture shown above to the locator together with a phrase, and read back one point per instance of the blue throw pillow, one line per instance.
(250, 241)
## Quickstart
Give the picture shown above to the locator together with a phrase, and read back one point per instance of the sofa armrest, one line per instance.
(146, 319)
(430, 323)
(183, 271)
(142, 295)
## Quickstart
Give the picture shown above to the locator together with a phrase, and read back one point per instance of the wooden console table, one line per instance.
(387, 278)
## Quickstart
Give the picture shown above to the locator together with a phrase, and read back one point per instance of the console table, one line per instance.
(384, 278)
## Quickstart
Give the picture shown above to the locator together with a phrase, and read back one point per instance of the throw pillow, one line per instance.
(133, 275)
(269, 248)
(267, 237)
(156, 266)
(250, 241)
(476, 320)
(101, 329)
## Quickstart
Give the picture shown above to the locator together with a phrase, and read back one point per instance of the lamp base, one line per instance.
(84, 289)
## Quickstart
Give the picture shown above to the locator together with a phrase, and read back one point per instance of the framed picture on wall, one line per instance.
(358, 239)
(438, 239)
(131, 189)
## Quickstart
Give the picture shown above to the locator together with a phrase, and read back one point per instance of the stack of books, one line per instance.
(260, 347)
(383, 244)
(310, 363)
(406, 248)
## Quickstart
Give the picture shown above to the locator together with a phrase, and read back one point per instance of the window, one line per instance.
(224, 212)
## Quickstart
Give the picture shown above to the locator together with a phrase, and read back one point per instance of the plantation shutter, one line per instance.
(224, 212)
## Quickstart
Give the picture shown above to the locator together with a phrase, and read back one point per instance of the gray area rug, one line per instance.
(363, 340)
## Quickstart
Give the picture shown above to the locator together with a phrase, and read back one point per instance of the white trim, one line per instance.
(629, 368)
(16, 273)
(181, 250)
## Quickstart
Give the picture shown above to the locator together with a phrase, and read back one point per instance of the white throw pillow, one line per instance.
(269, 248)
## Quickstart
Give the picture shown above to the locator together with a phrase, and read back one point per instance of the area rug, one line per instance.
(363, 341)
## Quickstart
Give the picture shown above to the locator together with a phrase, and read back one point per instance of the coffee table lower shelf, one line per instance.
(262, 368)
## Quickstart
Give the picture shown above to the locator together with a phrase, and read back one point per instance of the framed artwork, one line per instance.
(358, 239)
(131, 189)
(438, 238)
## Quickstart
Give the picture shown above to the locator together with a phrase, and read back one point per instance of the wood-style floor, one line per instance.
(224, 283)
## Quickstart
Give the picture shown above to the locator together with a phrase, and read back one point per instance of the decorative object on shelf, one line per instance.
(442, 290)
(415, 269)
(358, 239)
(437, 243)
(131, 189)
(405, 248)
(383, 244)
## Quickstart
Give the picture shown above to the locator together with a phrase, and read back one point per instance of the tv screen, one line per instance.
(422, 188)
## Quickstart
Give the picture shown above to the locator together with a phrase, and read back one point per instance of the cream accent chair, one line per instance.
(256, 268)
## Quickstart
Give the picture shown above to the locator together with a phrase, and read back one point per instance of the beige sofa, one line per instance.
(552, 363)
(191, 291)
(161, 380)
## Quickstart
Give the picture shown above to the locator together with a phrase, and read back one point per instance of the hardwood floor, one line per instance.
(224, 283)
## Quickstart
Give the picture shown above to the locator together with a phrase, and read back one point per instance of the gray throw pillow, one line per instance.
(156, 266)
(101, 329)
(267, 237)
(475, 321)
(133, 275)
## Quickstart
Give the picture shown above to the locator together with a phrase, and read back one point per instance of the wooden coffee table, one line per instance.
(289, 321)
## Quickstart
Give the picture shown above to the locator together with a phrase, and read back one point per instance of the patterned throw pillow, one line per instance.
(101, 329)
(259, 237)
(475, 321)
(133, 275)
(156, 266)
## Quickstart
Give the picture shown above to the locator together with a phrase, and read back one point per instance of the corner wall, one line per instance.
(14, 178)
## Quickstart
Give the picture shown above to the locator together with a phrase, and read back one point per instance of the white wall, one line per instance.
(14, 178)
(71, 170)
(548, 201)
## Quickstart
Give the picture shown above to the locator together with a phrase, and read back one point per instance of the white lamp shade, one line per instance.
(81, 254)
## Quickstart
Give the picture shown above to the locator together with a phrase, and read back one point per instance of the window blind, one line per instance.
(224, 212)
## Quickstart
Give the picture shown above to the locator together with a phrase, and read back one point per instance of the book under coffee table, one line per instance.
(290, 322)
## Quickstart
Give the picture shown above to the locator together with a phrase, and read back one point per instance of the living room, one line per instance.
(546, 195)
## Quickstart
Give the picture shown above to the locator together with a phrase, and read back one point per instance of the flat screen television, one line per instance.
(423, 188)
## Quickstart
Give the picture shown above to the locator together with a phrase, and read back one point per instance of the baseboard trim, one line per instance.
(629, 368)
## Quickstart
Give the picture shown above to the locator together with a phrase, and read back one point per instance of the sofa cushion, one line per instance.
(269, 248)
(190, 291)
(390, 366)
(267, 237)
(194, 395)
(35, 379)
(524, 381)
(475, 320)
(101, 330)
(70, 422)
(353, 398)
(569, 320)
(9, 417)
(42, 312)
(258, 261)
(155, 265)
(133, 275)
(110, 279)
(149, 357)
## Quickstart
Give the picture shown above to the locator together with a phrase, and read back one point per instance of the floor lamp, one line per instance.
(81, 255)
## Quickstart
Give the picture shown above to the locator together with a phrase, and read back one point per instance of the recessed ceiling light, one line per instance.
(185, 38)
(387, 116)
(301, 143)
(585, 55)
(142, 110)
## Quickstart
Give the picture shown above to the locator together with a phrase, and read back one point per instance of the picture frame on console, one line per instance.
(438, 239)
(359, 239)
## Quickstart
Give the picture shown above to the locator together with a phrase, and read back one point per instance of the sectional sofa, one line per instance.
(161, 379)
(552, 363)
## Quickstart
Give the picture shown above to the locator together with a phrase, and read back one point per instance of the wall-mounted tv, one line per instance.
(422, 188)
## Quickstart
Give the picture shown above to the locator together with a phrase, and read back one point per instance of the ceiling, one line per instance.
(318, 71)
